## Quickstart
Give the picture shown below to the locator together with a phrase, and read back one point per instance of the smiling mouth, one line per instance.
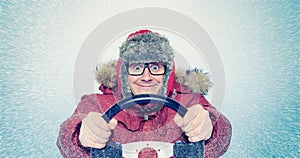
(146, 85)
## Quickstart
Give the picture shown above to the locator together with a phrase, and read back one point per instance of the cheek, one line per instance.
(160, 79)
(131, 80)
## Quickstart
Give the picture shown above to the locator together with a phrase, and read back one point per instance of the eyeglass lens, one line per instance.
(139, 68)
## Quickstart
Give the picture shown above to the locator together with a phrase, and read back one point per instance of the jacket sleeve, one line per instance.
(219, 142)
(68, 138)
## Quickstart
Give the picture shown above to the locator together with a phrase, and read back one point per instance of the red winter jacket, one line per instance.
(159, 127)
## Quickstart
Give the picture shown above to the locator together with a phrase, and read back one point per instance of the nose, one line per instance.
(146, 76)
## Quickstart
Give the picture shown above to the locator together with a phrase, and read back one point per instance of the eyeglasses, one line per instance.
(138, 69)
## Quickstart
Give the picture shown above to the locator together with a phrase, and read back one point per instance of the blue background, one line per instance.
(258, 42)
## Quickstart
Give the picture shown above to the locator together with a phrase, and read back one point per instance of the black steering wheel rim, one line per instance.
(143, 99)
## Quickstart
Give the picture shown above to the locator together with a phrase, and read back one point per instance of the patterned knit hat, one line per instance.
(145, 46)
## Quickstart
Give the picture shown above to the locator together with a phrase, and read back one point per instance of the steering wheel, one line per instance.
(179, 149)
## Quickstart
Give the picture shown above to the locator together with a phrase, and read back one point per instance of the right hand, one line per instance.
(95, 131)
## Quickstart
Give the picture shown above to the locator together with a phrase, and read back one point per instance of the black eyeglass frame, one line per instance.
(146, 65)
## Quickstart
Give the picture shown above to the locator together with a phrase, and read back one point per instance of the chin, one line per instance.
(146, 92)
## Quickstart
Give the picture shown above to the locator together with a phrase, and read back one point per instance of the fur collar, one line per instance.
(195, 79)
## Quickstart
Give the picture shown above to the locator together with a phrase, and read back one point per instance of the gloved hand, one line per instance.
(95, 131)
(196, 123)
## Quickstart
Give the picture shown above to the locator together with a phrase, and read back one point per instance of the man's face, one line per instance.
(145, 83)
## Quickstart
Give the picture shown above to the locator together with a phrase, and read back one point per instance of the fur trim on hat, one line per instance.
(146, 48)
(195, 79)
(106, 74)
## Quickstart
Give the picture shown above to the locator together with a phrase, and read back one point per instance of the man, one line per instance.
(146, 66)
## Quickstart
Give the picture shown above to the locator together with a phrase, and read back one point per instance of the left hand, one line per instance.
(196, 123)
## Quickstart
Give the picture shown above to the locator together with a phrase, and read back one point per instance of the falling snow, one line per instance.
(257, 40)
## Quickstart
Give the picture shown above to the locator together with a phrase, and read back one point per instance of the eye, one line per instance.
(155, 67)
(137, 67)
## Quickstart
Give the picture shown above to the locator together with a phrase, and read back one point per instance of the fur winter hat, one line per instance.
(144, 46)
(106, 75)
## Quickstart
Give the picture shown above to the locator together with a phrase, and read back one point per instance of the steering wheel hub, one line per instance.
(148, 153)
(145, 149)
